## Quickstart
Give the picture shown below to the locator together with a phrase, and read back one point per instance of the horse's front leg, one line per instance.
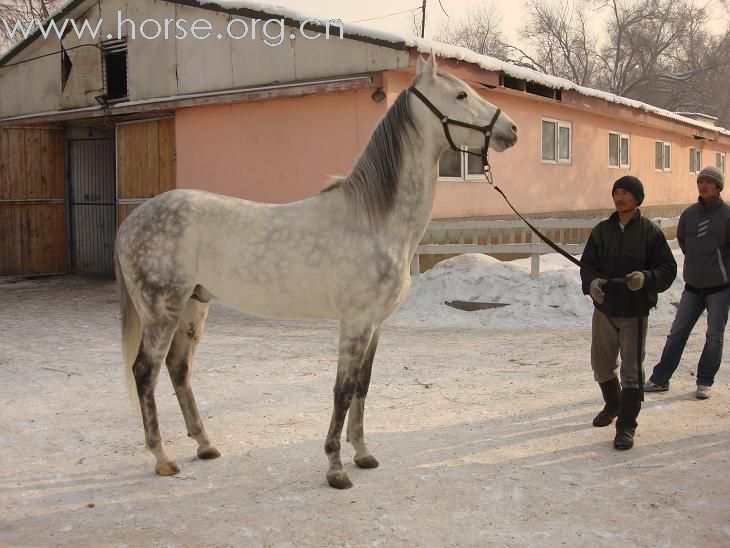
(354, 343)
(356, 416)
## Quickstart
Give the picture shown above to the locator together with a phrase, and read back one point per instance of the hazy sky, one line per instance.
(350, 11)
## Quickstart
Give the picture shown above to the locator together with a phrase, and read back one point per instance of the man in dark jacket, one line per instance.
(704, 236)
(633, 253)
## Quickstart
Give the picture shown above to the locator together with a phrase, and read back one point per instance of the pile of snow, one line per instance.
(554, 299)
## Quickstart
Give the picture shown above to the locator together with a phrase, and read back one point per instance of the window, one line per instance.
(695, 159)
(115, 68)
(556, 142)
(720, 161)
(460, 166)
(662, 156)
(618, 149)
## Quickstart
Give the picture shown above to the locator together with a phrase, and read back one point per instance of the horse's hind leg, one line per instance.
(180, 365)
(156, 340)
(356, 415)
(354, 342)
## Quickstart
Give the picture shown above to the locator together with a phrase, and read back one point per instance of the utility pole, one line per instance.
(423, 18)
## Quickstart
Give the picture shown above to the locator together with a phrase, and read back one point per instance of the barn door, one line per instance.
(146, 162)
(32, 209)
(92, 199)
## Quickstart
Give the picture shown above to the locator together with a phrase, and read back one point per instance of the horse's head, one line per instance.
(452, 98)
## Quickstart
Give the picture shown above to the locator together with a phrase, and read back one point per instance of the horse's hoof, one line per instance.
(208, 453)
(167, 468)
(367, 462)
(339, 480)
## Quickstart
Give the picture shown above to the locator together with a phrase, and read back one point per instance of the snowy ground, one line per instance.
(481, 422)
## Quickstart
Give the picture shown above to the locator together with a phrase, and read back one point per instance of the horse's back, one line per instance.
(305, 259)
(256, 256)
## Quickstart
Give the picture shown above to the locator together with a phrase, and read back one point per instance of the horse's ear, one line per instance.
(431, 66)
(428, 68)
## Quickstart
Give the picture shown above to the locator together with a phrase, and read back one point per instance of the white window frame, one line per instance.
(464, 169)
(720, 161)
(696, 159)
(621, 136)
(449, 178)
(665, 168)
(559, 124)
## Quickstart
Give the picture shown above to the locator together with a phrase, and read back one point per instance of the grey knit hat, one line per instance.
(714, 174)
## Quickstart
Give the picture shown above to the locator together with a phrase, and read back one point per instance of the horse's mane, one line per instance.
(372, 184)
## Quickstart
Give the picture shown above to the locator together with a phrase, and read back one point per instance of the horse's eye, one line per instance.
(462, 95)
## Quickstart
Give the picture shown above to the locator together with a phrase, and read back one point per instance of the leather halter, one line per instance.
(445, 121)
(487, 130)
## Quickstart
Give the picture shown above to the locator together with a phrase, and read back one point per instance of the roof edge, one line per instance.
(209, 5)
(23, 44)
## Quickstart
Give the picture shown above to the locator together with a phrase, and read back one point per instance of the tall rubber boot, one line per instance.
(611, 391)
(626, 424)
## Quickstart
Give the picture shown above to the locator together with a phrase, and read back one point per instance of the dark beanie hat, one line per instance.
(714, 174)
(630, 184)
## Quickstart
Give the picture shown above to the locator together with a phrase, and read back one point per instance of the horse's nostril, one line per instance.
(514, 128)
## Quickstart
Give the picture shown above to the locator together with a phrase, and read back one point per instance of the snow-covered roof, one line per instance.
(463, 54)
(696, 115)
(424, 46)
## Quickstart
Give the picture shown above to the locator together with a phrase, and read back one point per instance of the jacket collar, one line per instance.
(710, 206)
(614, 218)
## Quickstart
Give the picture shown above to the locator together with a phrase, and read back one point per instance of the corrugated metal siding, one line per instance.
(93, 205)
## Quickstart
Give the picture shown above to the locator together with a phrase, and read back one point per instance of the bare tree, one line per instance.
(23, 11)
(641, 38)
(414, 26)
(662, 52)
(558, 34)
(658, 51)
(480, 31)
(698, 79)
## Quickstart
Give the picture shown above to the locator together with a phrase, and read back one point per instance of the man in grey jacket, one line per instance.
(704, 236)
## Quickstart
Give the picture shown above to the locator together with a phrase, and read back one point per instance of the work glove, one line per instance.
(635, 280)
(597, 293)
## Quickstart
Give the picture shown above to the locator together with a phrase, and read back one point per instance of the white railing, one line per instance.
(473, 229)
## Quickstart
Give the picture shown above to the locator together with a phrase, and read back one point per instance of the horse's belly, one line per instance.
(271, 302)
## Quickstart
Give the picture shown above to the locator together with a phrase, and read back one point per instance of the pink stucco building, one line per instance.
(598, 140)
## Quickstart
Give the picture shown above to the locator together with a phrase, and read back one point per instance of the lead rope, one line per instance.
(490, 179)
(487, 131)
(489, 176)
(639, 355)
(640, 322)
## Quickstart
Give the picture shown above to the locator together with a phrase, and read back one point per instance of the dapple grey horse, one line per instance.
(343, 254)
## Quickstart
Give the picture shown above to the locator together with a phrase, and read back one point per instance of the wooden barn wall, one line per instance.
(145, 162)
(32, 210)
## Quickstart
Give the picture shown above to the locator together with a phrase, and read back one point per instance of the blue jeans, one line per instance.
(689, 311)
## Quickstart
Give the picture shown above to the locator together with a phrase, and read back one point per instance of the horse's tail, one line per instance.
(131, 334)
